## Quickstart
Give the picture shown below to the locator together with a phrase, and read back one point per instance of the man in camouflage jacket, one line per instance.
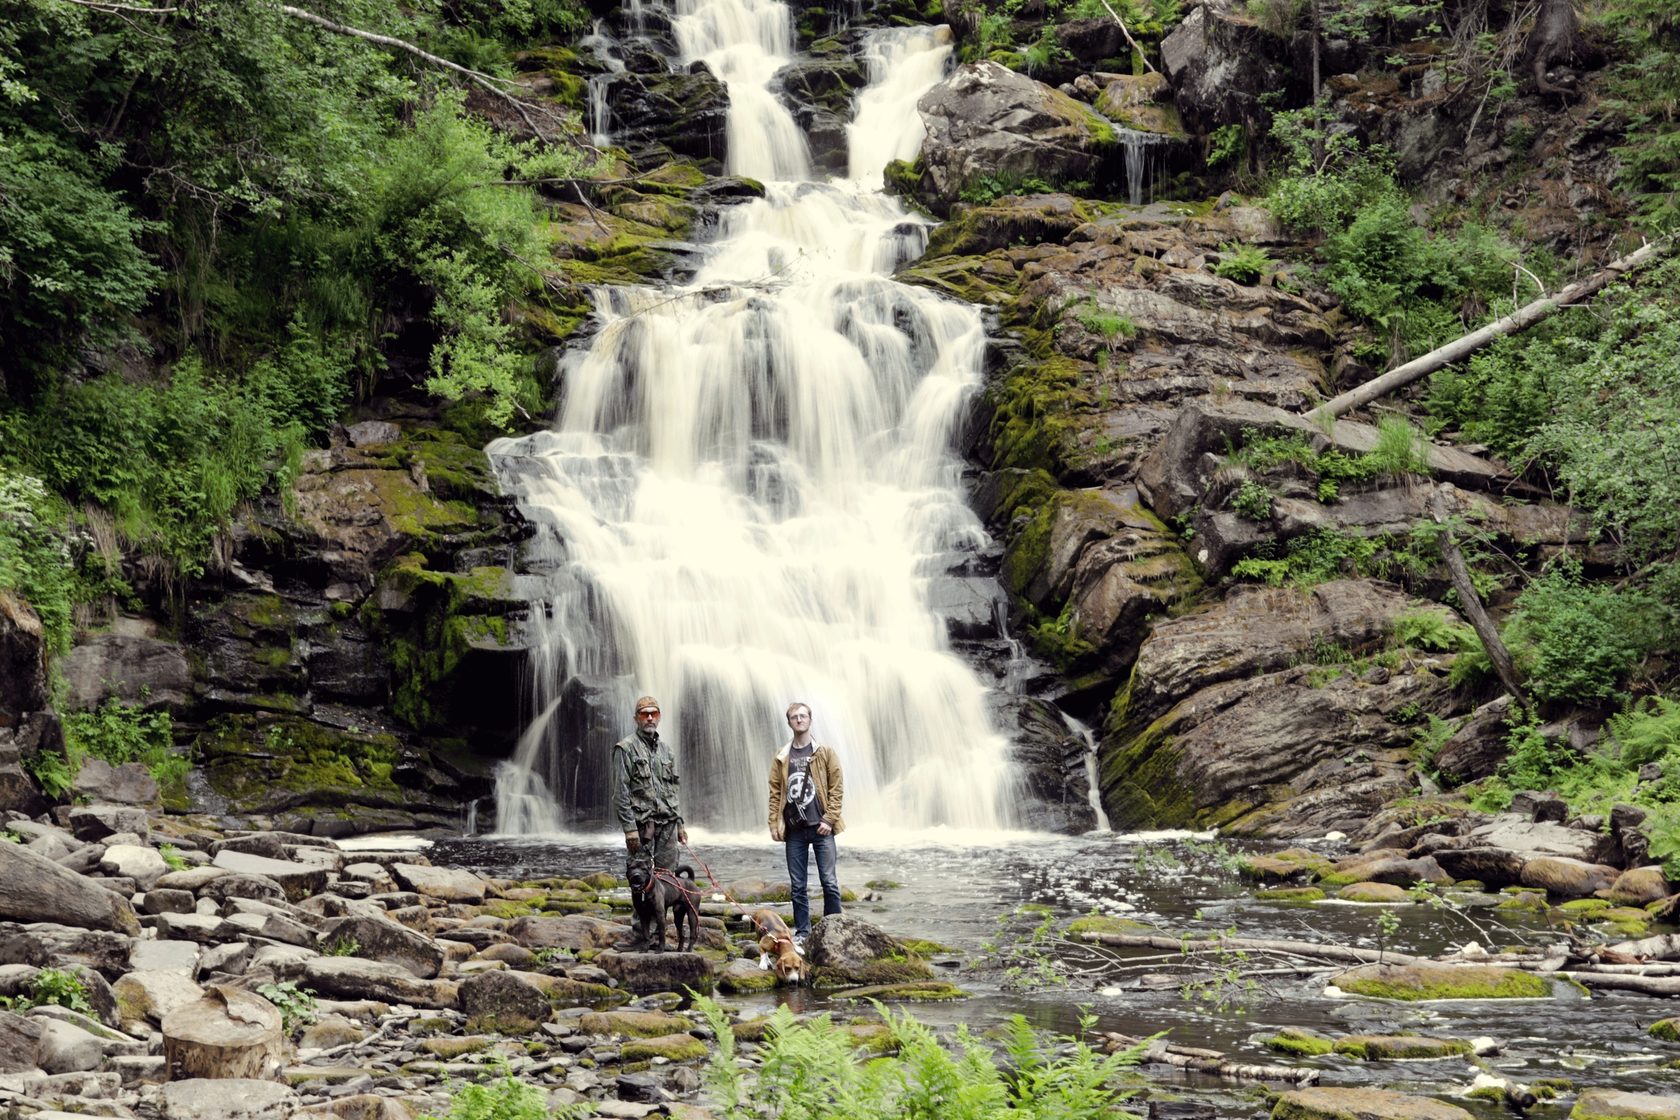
(646, 797)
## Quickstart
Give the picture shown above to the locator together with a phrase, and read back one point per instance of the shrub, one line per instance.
(34, 559)
(1244, 264)
(1400, 450)
(121, 733)
(1253, 501)
(297, 1006)
(1579, 641)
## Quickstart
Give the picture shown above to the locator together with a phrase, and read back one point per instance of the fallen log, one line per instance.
(1662, 947)
(1470, 602)
(1625, 982)
(1207, 1061)
(1462, 347)
(1334, 953)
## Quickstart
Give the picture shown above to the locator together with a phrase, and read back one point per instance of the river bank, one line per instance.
(396, 973)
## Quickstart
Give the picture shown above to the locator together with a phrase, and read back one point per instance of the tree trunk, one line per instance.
(228, 1033)
(1471, 603)
(1466, 345)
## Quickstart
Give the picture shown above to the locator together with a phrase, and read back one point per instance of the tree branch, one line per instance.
(100, 5)
(1130, 41)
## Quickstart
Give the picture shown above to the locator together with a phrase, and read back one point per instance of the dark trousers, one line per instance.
(801, 841)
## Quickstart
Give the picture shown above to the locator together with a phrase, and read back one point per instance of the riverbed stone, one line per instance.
(1341, 1103)
(1373, 892)
(1374, 1048)
(147, 996)
(633, 1024)
(35, 889)
(1569, 878)
(128, 784)
(379, 939)
(440, 882)
(1614, 1104)
(231, 1098)
(568, 931)
(297, 880)
(1427, 980)
(1639, 886)
(658, 972)
(845, 950)
(353, 978)
(503, 1002)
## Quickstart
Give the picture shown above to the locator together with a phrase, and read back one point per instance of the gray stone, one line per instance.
(1566, 877)
(164, 901)
(130, 668)
(353, 978)
(1477, 747)
(503, 1002)
(657, 972)
(440, 882)
(1602, 1103)
(142, 864)
(65, 1048)
(987, 120)
(20, 1042)
(1338, 1103)
(150, 995)
(382, 940)
(297, 880)
(233, 1098)
(206, 929)
(128, 784)
(96, 822)
(35, 889)
(231, 959)
(44, 945)
(164, 956)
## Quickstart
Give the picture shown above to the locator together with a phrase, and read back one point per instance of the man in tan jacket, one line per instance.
(807, 789)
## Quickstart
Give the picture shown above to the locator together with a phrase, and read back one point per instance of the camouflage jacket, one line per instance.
(645, 783)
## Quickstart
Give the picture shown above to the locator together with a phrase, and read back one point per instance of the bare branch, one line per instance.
(1128, 35)
(102, 6)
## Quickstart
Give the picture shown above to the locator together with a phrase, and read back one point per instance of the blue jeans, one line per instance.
(801, 841)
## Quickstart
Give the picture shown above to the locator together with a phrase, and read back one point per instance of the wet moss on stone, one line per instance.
(672, 1047)
(1293, 1040)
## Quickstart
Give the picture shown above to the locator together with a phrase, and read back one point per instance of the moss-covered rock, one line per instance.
(1290, 894)
(920, 991)
(450, 1048)
(634, 1024)
(1666, 1029)
(676, 1047)
(1105, 923)
(1287, 866)
(1374, 1048)
(1613, 1104)
(1294, 1040)
(1341, 1103)
(1386, 893)
(1436, 981)
(266, 763)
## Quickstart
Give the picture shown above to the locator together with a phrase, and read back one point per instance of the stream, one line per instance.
(963, 889)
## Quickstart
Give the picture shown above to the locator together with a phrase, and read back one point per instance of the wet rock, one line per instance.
(35, 889)
(1373, 892)
(1440, 981)
(1615, 1104)
(569, 931)
(844, 950)
(1051, 759)
(503, 1003)
(1531, 840)
(986, 120)
(1376, 1048)
(1490, 866)
(1337, 1103)
(658, 112)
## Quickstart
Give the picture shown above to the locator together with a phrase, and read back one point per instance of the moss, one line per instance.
(1103, 923)
(674, 1047)
(565, 992)
(902, 177)
(1668, 1030)
(1292, 1040)
(1140, 783)
(758, 980)
(635, 1024)
(448, 1048)
(1290, 894)
(1584, 905)
(926, 991)
(750, 1030)
(509, 909)
(872, 973)
(1490, 1093)
(265, 762)
(431, 1024)
(921, 947)
(1375, 1048)
(883, 884)
(1422, 982)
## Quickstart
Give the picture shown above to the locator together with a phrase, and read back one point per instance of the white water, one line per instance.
(749, 484)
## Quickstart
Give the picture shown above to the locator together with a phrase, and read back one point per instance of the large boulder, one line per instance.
(35, 889)
(1617, 1104)
(1477, 746)
(1346, 1103)
(987, 121)
(128, 784)
(1219, 62)
(504, 1003)
(354, 978)
(23, 661)
(128, 665)
(655, 113)
(845, 950)
(382, 940)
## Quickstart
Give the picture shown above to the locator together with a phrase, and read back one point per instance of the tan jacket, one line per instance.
(825, 774)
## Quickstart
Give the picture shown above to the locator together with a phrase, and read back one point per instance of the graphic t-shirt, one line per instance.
(802, 805)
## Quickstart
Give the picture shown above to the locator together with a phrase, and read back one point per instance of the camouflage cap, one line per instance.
(645, 702)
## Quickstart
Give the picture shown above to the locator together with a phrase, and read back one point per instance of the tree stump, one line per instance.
(228, 1033)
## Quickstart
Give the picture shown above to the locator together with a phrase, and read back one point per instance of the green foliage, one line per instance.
(1226, 145)
(1400, 450)
(1253, 501)
(1244, 264)
(1644, 85)
(1576, 640)
(1318, 556)
(1025, 955)
(990, 188)
(1093, 318)
(1432, 630)
(507, 1098)
(1059, 637)
(34, 559)
(297, 1006)
(121, 733)
(55, 987)
(1648, 731)
(343, 947)
(172, 857)
(1428, 740)
(810, 1070)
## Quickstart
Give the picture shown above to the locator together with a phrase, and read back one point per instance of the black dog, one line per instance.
(652, 893)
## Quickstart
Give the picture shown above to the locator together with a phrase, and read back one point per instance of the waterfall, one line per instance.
(750, 484)
(1145, 162)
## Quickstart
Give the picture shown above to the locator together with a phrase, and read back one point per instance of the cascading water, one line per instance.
(751, 482)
